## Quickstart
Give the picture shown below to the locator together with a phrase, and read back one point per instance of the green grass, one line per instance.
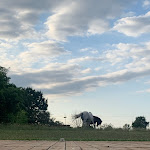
(37, 132)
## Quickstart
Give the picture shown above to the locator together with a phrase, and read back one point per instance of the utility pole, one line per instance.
(65, 120)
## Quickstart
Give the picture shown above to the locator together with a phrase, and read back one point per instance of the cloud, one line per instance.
(144, 91)
(75, 19)
(5, 45)
(18, 17)
(65, 81)
(78, 86)
(12, 27)
(47, 48)
(86, 58)
(129, 55)
(42, 51)
(134, 26)
(66, 17)
(25, 56)
(85, 71)
(146, 3)
(69, 18)
(98, 27)
(148, 82)
(98, 68)
(51, 74)
(89, 49)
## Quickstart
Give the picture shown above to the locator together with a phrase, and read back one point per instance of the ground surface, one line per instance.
(71, 145)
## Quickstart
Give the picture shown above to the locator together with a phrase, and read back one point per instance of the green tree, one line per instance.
(140, 122)
(126, 127)
(21, 117)
(4, 80)
(36, 106)
(11, 98)
(21, 105)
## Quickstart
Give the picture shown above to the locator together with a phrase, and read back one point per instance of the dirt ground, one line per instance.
(73, 145)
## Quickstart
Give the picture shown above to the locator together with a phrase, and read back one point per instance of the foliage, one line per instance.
(11, 102)
(21, 117)
(140, 122)
(3, 77)
(126, 127)
(36, 106)
(21, 105)
(107, 127)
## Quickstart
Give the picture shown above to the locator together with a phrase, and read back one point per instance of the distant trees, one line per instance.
(22, 105)
(140, 122)
(126, 127)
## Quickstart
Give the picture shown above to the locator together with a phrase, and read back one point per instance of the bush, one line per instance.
(21, 117)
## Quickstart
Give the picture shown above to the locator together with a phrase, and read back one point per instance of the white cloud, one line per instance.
(83, 59)
(148, 82)
(52, 74)
(75, 19)
(144, 91)
(33, 54)
(19, 17)
(12, 27)
(89, 49)
(70, 18)
(66, 17)
(98, 68)
(130, 55)
(78, 86)
(146, 3)
(42, 51)
(47, 48)
(5, 45)
(134, 26)
(88, 70)
(98, 27)
(66, 80)
(85, 49)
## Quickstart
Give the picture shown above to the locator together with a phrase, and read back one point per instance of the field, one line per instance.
(37, 132)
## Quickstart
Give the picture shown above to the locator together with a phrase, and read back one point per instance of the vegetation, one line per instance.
(22, 105)
(126, 127)
(140, 122)
(24, 116)
(45, 132)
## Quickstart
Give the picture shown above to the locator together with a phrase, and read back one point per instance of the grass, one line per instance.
(38, 132)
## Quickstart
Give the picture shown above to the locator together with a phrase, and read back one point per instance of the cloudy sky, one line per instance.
(91, 55)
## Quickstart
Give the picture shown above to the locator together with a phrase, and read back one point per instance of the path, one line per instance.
(71, 145)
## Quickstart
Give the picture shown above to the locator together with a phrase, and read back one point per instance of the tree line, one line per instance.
(139, 123)
(22, 105)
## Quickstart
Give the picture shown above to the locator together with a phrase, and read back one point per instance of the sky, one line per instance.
(84, 55)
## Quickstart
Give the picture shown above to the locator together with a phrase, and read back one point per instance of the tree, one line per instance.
(126, 127)
(140, 122)
(11, 103)
(11, 98)
(4, 80)
(36, 107)
(21, 105)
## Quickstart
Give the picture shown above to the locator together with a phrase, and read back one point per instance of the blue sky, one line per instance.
(84, 55)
